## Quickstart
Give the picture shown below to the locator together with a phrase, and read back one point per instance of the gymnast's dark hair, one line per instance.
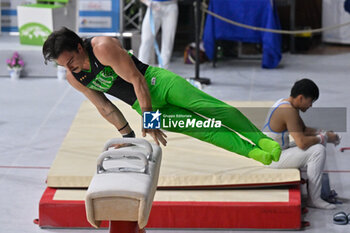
(60, 41)
(305, 87)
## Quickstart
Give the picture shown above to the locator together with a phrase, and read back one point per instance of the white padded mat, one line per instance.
(187, 162)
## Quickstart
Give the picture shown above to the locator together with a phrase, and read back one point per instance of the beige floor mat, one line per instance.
(245, 195)
(186, 161)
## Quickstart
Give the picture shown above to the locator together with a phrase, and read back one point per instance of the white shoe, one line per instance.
(321, 204)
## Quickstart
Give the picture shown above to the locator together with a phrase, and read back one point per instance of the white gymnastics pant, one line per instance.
(164, 15)
(314, 158)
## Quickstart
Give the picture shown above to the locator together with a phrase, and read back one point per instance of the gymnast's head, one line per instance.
(304, 93)
(66, 48)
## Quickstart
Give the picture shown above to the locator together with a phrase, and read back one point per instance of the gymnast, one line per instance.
(309, 149)
(101, 65)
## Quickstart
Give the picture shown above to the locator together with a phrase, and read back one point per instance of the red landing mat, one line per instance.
(186, 214)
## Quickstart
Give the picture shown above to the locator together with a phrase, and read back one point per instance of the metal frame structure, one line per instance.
(128, 21)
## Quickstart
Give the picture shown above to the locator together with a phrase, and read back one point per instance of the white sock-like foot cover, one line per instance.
(321, 204)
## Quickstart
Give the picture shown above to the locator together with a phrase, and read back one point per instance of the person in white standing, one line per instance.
(309, 149)
(164, 14)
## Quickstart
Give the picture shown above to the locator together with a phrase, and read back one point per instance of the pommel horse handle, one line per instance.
(141, 142)
(118, 154)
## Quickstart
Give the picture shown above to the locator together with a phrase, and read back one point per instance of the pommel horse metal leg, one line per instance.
(123, 188)
(124, 227)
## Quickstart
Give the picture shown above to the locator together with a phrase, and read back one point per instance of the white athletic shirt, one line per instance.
(281, 137)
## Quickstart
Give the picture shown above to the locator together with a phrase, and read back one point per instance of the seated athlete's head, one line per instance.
(304, 93)
(65, 47)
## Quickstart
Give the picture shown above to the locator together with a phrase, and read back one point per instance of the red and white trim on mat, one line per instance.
(224, 215)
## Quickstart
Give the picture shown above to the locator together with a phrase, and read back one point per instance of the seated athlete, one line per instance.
(101, 65)
(310, 150)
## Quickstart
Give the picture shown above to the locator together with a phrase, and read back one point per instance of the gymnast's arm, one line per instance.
(310, 131)
(105, 107)
(296, 127)
(110, 52)
(331, 136)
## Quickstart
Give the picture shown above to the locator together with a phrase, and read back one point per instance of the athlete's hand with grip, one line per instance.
(332, 137)
(156, 134)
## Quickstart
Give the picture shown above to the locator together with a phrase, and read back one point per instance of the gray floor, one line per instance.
(36, 113)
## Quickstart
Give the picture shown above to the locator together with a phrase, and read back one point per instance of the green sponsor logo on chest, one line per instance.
(103, 80)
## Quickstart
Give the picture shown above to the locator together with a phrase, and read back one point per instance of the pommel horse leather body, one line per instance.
(123, 188)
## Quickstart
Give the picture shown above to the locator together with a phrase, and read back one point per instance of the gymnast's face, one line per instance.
(72, 60)
(304, 103)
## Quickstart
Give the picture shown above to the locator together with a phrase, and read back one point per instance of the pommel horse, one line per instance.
(123, 187)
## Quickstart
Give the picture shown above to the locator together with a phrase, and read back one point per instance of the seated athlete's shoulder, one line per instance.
(287, 110)
(286, 106)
